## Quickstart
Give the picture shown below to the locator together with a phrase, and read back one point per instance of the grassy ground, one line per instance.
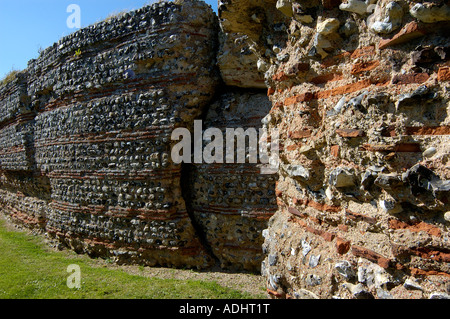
(30, 270)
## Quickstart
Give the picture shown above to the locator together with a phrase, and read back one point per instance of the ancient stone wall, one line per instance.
(104, 102)
(360, 96)
(233, 202)
(85, 134)
(358, 91)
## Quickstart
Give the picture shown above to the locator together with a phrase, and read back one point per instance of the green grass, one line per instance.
(29, 270)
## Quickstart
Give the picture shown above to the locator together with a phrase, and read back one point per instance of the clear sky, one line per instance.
(26, 26)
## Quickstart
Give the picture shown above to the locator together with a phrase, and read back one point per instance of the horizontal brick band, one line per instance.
(319, 232)
(316, 205)
(421, 272)
(432, 253)
(418, 78)
(350, 133)
(409, 32)
(421, 226)
(430, 130)
(364, 66)
(401, 147)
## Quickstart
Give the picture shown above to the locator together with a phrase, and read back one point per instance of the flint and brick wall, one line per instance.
(91, 119)
(359, 92)
(364, 177)
(85, 136)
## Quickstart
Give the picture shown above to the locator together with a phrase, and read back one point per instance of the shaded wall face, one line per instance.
(232, 202)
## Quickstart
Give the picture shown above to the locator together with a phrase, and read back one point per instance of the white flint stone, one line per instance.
(386, 19)
(411, 284)
(328, 26)
(306, 247)
(338, 107)
(297, 170)
(439, 295)
(430, 13)
(262, 65)
(447, 216)
(429, 152)
(356, 6)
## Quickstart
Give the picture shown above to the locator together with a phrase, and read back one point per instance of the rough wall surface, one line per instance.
(85, 136)
(232, 203)
(104, 102)
(361, 100)
(358, 91)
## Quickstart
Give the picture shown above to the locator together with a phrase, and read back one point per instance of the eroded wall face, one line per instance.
(360, 97)
(232, 202)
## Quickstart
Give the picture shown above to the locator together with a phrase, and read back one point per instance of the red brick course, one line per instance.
(422, 226)
(364, 66)
(350, 133)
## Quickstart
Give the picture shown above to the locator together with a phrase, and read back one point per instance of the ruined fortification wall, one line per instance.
(100, 107)
(85, 135)
(357, 90)
(360, 96)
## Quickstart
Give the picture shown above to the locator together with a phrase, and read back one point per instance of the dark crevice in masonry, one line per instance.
(186, 189)
(188, 169)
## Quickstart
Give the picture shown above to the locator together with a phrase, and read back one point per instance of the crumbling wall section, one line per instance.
(360, 96)
(358, 92)
(232, 202)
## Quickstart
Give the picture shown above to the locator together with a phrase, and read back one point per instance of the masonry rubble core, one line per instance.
(358, 90)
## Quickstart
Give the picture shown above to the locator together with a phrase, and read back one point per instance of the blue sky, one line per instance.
(29, 25)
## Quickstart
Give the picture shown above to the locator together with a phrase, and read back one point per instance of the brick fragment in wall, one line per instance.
(372, 112)
(233, 202)
(444, 74)
(410, 31)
